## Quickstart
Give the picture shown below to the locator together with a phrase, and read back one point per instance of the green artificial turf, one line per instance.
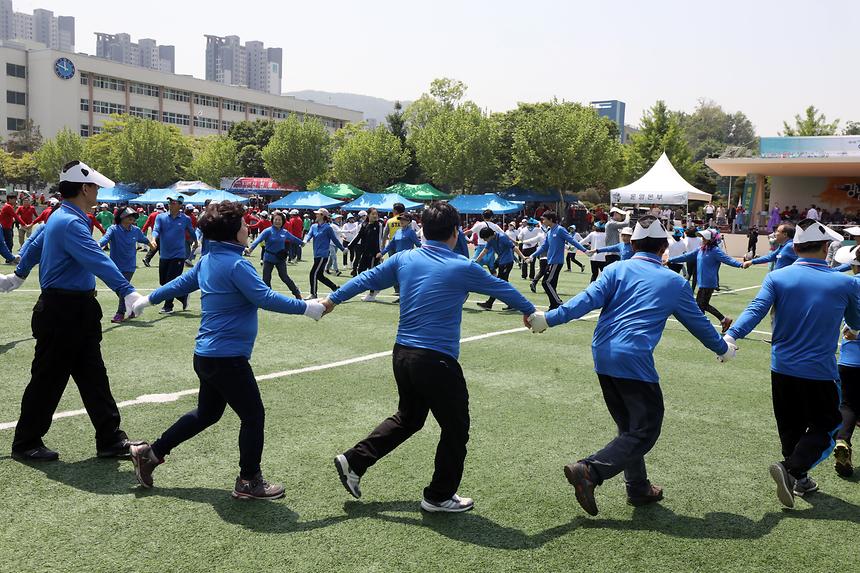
(535, 406)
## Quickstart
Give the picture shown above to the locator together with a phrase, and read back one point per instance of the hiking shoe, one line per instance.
(726, 323)
(485, 305)
(533, 286)
(653, 495)
(40, 454)
(579, 476)
(117, 318)
(257, 488)
(369, 297)
(804, 486)
(456, 504)
(350, 480)
(145, 462)
(165, 311)
(121, 449)
(784, 484)
(842, 455)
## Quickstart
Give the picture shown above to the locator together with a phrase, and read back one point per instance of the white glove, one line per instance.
(8, 283)
(315, 309)
(537, 322)
(134, 304)
(731, 352)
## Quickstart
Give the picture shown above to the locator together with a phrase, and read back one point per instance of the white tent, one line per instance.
(195, 185)
(662, 185)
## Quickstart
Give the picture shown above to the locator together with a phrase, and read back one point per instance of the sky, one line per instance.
(765, 58)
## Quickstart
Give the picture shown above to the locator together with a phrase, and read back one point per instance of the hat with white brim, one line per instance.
(649, 228)
(810, 231)
(617, 210)
(80, 172)
(855, 231)
(626, 231)
(847, 255)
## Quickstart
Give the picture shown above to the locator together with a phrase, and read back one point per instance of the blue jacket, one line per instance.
(403, 240)
(123, 246)
(170, 232)
(462, 246)
(622, 248)
(434, 284)
(784, 256)
(68, 256)
(707, 265)
(322, 235)
(5, 252)
(231, 291)
(810, 300)
(637, 298)
(502, 247)
(554, 245)
(276, 241)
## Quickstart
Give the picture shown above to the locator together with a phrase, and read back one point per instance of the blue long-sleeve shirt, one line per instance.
(707, 265)
(783, 256)
(170, 232)
(5, 252)
(35, 235)
(553, 246)
(322, 235)
(810, 300)
(231, 291)
(502, 246)
(462, 246)
(123, 246)
(69, 257)
(849, 350)
(622, 248)
(276, 241)
(637, 298)
(403, 240)
(434, 283)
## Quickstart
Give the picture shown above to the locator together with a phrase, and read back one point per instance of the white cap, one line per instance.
(707, 234)
(337, 216)
(617, 210)
(362, 213)
(350, 216)
(214, 201)
(852, 230)
(53, 201)
(814, 231)
(80, 172)
(264, 213)
(104, 205)
(626, 231)
(847, 254)
(294, 211)
(196, 211)
(322, 211)
(160, 206)
(651, 229)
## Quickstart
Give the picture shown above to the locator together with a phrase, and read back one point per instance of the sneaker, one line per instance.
(842, 455)
(726, 323)
(350, 480)
(165, 311)
(567, 270)
(784, 484)
(369, 297)
(146, 263)
(257, 488)
(298, 295)
(533, 286)
(653, 495)
(40, 454)
(456, 504)
(485, 305)
(508, 308)
(145, 462)
(121, 449)
(579, 476)
(804, 486)
(117, 318)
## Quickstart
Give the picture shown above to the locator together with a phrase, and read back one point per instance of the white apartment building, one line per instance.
(57, 32)
(59, 90)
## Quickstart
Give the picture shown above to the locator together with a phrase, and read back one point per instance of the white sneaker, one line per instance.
(348, 478)
(456, 504)
(369, 297)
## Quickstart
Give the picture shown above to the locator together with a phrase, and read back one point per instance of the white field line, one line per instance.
(718, 293)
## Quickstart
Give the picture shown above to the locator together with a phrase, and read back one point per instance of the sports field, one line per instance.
(535, 405)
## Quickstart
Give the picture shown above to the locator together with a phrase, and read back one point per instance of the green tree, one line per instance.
(56, 152)
(298, 152)
(23, 170)
(214, 157)
(852, 128)
(396, 122)
(148, 153)
(251, 137)
(445, 95)
(26, 140)
(811, 123)
(369, 159)
(660, 131)
(564, 147)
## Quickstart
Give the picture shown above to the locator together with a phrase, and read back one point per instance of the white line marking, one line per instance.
(735, 290)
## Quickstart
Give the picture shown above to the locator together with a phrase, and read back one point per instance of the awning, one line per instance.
(419, 192)
(662, 185)
(201, 195)
(189, 185)
(264, 186)
(475, 204)
(340, 191)
(381, 202)
(786, 166)
(532, 196)
(116, 194)
(304, 200)
(153, 196)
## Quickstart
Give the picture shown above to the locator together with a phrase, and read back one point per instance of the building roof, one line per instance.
(787, 166)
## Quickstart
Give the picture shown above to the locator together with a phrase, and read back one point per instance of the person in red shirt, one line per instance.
(46, 212)
(27, 213)
(150, 223)
(294, 226)
(95, 222)
(8, 217)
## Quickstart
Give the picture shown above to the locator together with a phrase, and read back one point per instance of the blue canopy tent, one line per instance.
(201, 195)
(532, 196)
(476, 204)
(153, 196)
(118, 194)
(305, 200)
(382, 202)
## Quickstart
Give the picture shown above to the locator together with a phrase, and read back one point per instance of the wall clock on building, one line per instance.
(64, 68)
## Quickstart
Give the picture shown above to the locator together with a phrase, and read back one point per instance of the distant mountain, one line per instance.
(372, 107)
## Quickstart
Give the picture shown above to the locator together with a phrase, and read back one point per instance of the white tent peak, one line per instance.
(662, 184)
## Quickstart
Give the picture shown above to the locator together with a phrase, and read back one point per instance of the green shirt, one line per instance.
(141, 220)
(105, 218)
(306, 224)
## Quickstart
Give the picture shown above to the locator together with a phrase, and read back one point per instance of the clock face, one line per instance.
(64, 68)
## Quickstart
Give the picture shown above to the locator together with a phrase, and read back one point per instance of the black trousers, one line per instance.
(637, 408)
(677, 267)
(703, 299)
(751, 246)
(8, 234)
(350, 254)
(612, 259)
(427, 381)
(691, 271)
(317, 274)
(530, 267)
(223, 381)
(571, 258)
(550, 284)
(68, 334)
(597, 268)
(169, 269)
(504, 274)
(807, 418)
(850, 404)
(541, 271)
(152, 251)
(281, 267)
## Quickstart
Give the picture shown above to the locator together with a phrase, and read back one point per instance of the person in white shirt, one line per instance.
(347, 234)
(667, 216)
(709, 212)
(596, 240)
(542, 264)
(530, 239)
(677, 247)
(812, 213)
(332, 250)
(571, 250)
(692, 242)
(475, 231)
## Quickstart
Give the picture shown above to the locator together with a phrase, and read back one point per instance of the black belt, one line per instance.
(59, 292)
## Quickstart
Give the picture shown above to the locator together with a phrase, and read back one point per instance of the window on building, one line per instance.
(226, 125)
(16, 71)
(143, 89)
(108, 108)
(85, 104)
(206, 122)
(14, 124)
(281, 114)
(177, 95)
(205, 100)
(96, 130)
(109, 83)
(233, 105)
(85, 130)
(143, 112)
(19, 98)
(175, 118)
(85, 79)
